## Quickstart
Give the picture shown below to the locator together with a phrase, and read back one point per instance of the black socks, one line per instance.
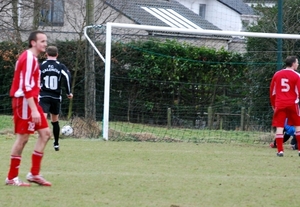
(56, 130)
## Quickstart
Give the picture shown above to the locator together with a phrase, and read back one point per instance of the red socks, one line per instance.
(36, 159)
(298, 139)
(15, 162)
(279, 142)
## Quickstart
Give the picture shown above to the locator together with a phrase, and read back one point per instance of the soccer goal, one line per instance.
(179, 94)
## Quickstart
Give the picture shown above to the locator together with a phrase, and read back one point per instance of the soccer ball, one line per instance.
(67, 130)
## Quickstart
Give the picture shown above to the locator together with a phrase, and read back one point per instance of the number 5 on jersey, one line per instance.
(285, 85)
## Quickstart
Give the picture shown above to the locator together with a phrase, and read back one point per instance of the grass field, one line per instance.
(98, 173)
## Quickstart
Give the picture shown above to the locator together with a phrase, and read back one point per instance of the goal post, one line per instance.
(109, 26)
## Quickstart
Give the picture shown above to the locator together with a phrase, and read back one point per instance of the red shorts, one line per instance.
(292, 113)
(22, 117)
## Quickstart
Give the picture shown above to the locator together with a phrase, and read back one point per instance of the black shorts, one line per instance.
(50, 105)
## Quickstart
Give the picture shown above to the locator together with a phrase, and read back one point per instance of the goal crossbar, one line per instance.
(107, 59)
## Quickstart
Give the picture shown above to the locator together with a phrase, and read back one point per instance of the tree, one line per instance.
(90, 85)
(262, 53)
(156, 74)
(97, 12)
(19, 17)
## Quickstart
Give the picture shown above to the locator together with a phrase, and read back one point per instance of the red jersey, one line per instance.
(285, 88)
(26, 81)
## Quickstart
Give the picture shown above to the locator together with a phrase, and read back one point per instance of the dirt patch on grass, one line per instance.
(267, 138)
(85, 128)
(138, 137)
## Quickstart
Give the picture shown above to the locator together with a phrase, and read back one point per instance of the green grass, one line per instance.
(125, 131)
(98, 173)
(6, 123)
(93, 172)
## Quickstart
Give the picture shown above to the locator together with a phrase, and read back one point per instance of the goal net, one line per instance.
(173, 84)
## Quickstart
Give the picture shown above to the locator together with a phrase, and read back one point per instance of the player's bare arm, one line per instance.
(70, 96)
(36, 117)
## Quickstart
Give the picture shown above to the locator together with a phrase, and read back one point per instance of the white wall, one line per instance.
(73, 20)
(216, 13)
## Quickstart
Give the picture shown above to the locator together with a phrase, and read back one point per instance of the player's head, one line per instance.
(37, 42)
(34, 36)
(52, 51)
(291, 62)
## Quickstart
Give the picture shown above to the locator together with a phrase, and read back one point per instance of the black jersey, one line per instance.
(53, 75)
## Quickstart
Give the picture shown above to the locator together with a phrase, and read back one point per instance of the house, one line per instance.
(167, 13)
(230, 15)
(65, 19)
(170, 13)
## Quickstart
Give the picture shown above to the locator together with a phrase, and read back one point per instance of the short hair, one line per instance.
(33, 36)
(52, 51)
(290, 60)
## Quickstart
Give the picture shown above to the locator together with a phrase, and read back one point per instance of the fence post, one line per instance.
(169, 117)
(243, 119)
(220, 117)
(209, 117)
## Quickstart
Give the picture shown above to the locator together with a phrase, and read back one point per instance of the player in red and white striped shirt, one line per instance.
(284, 97)
(27, 113)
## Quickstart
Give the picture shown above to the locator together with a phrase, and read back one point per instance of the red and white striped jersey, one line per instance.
(285, 88)
(26, 80)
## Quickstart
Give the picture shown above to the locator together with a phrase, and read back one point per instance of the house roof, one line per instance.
(238, 6)
(140, 11)
(260, 1)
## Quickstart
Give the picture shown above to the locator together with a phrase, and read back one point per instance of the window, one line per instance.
(202, 10)
(52, 13)
(171, 17)
(245, 25)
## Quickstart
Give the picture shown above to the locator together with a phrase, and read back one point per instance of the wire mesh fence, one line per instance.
(172, 87)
